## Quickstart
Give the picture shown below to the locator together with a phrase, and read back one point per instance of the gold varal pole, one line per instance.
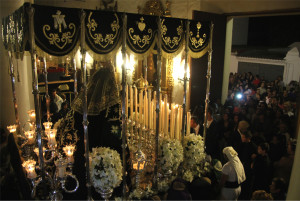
(208, 76)
(158, 88)
(85, 120)
(185, 78)
(123, 103)
(35, 91)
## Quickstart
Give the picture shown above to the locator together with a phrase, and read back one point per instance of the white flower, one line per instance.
(194, 157)
(170, 154)
(188, 176)
(105, 167)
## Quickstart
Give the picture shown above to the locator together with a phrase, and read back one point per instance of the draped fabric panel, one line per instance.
(141, 32)
(199, 38)
(56, 29)
(103, 31)
(57, 32)
(172, 33)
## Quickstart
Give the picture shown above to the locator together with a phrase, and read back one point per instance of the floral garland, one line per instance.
(194, 163)
(105, 168)
(170, 154)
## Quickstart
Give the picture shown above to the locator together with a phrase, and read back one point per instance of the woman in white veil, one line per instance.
(233, 175)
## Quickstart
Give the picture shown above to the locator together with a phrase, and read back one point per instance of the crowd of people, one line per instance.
(258, 122)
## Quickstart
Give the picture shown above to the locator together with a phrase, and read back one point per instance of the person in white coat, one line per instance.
(233, 175)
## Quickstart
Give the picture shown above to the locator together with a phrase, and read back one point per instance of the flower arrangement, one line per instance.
(170, 154)
(194, 163)
(138, 194)
(105, 168)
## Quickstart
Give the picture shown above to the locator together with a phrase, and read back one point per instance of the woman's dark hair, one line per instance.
(265, 146)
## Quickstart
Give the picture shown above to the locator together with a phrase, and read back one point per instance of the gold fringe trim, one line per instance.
(197, 55)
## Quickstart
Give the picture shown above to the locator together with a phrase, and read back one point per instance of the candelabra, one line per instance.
(58, 163)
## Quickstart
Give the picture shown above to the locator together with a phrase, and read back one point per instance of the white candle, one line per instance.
(126, 101)
(188, 124)
(162, 110)
(145, 109)
(154, 110)
(180, 121)
(131, 103)
(141, 107)
(136, 104)
(172, 121)
(166, 113)
(149, 109)
(177, 124)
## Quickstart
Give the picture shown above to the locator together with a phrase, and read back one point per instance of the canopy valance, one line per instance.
(57, 31)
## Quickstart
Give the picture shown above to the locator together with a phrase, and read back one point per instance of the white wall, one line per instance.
(23, 88)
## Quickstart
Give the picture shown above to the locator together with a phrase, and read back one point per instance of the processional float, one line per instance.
(61, 32)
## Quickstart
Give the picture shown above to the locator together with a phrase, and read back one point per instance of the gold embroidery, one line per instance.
(137, 39)
(98, 37)
(197, 41)
(54, 38)
(141, 24)
(167, 40)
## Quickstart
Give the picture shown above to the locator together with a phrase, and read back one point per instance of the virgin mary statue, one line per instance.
(103, 103)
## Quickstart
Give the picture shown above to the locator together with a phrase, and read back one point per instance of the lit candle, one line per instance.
(188, 124)
(161, 125)
(136, 104)
(12, 128)
(131, 104)
(47, 125)
(69, 151)
(145, 109)
(149, 109)
(29, 166)
(166, 118)
(141, 107)
(160, 113)
(154, 110)
(180, 110)
(51, 133)
(172, 121)
(30, 135)
(126, 102)
(31, 114)
(177, 124)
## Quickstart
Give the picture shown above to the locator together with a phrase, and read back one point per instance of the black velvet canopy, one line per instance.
(57, 31)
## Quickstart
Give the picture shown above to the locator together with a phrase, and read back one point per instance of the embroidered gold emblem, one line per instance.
(137, 40)
(141, 24)
(197, 41)
(167, 39)
(98, 37)
(60, 39)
